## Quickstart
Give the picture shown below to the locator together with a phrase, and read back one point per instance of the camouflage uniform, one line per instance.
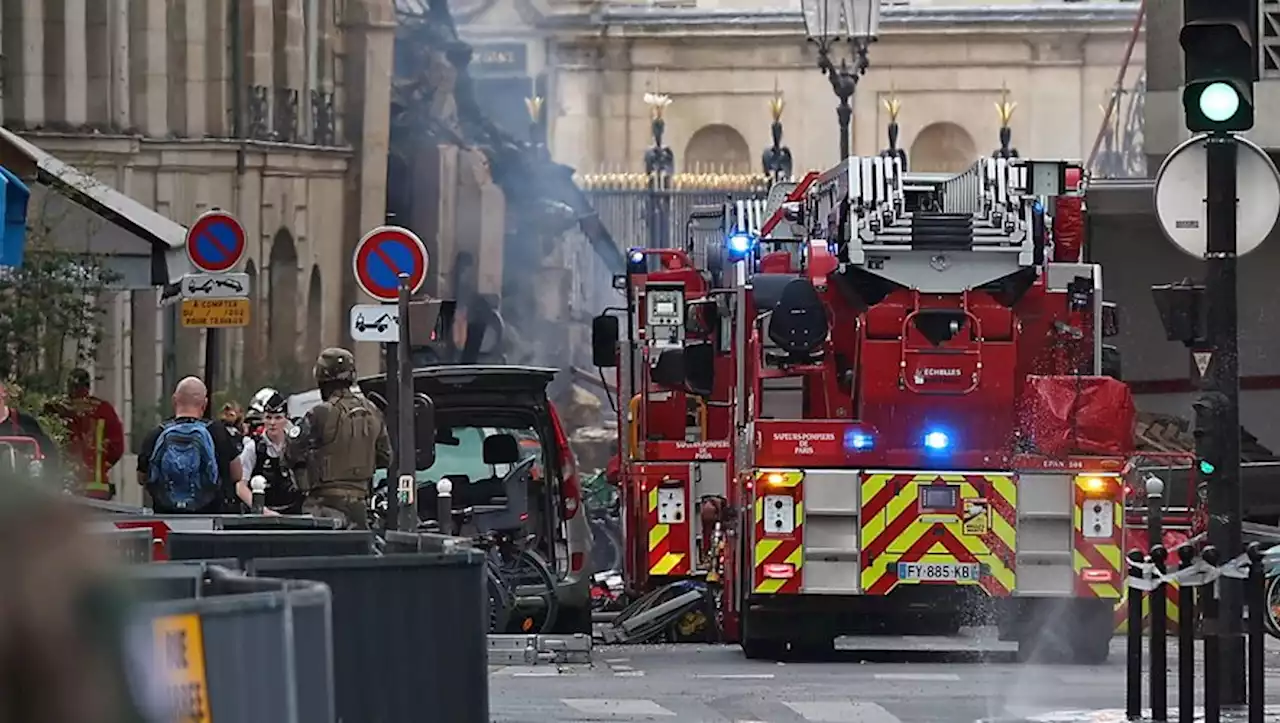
(341, 441)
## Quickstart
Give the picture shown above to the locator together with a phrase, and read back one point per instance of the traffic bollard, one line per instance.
(1133, 677)
(1159, 628)
(1186, 641)
(444, 506)
(1212, 656)
(258, 486)
(1257, 601)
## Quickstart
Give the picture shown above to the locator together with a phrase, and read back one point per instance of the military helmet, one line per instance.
(335, 365)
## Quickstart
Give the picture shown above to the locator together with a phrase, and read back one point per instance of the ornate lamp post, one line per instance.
(659, 167)
(894, 106)
(777, 157)
(826, 23)
(1005, 108)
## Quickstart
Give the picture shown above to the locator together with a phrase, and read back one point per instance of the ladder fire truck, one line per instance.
(922, 434)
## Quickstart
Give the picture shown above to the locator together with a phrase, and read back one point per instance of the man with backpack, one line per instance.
(190, 464)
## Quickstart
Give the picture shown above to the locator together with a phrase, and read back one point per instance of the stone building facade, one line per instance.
(722, 61)
(275, 110)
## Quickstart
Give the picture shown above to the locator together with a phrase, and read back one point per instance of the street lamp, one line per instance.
(826, 23)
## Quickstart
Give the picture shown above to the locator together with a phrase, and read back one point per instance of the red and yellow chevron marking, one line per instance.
(1098, 562)
(779, 559)
(668, 544)
(1170, 611)
(983, 530)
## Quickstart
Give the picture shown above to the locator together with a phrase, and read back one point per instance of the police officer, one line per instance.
(257, 409)
(341, 440)
(264, 454)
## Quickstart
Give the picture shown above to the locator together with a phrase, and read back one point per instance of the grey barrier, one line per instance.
(250, 650)
(410, 640)
(250, 544)
(128, 546)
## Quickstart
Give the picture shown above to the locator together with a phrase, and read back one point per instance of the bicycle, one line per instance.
(520, 585)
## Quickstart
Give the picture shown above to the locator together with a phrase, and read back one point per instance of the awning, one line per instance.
(166, 237)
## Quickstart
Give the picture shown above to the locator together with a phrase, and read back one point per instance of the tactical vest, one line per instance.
(282, 488)
(350, 459)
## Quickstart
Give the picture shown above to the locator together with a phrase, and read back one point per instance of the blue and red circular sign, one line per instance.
(215, 242)
(385, 253)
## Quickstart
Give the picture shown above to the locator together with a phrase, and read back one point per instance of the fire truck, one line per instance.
(922, 434)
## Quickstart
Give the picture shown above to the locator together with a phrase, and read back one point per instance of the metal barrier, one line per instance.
(410, 633)
(246, 650)
(128, 546)
(1198, 574)
(249, 544)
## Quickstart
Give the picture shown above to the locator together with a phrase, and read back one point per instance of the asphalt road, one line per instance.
(715, 684)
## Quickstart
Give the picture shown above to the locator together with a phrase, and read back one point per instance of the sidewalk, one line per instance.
(1117, 715)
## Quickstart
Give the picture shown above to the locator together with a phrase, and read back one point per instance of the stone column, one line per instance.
(148, 66)
(66, 62)
(216, 88)
(98, 59)
(24, 43)
(188, 54)
(369, 37)
(258, 44)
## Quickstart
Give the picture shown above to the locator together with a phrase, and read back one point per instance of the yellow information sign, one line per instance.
(215, 313)
(180, 654)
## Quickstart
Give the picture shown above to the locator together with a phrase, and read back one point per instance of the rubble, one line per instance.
(595, 446)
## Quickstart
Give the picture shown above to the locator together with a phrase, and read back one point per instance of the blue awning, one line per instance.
(13, 213)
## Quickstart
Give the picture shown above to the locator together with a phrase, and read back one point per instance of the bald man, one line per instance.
(176, 459)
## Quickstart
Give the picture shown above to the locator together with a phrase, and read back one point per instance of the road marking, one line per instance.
(612, 661)
(918, 676)
(616, 707)
(735, 676)
(535, 673)
(629, 674)
(622, 667)
(842, 711)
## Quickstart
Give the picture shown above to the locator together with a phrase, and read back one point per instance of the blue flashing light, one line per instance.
(637, 256)
(740, 244)
(858, 441)
(1206, 467)
(937, 441)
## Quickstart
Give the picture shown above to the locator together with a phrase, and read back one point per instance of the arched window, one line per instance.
(282, 324)
(718, 148)
(942, 148)
(315, 317)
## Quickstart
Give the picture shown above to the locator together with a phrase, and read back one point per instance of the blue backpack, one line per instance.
(184, 468)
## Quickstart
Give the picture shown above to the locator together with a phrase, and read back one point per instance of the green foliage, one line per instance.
(51, 318)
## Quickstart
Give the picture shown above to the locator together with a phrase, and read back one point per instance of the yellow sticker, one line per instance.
(977, 517)
(180, 653)
(215, 313)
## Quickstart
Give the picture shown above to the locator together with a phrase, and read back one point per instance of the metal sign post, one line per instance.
(1218, 198)
(215, 299)
(390, 264)
(407, 505)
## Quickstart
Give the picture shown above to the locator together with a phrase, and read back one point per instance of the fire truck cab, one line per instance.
(924, 438)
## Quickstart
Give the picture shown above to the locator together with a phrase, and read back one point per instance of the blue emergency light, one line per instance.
(740, 244)
(937, 441)
(858, 441)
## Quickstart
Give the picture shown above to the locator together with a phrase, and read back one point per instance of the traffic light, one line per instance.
(1210, 434)
(1219, 43)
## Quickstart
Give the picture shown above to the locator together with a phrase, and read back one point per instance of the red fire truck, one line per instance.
(923, 437)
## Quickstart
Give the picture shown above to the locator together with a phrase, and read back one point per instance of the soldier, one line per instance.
(341, 441)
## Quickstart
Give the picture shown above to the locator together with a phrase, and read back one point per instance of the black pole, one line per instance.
(1257, 586)
(391, 363)
(1159, 628)
(210, 368)
(1212, 651)
(1223, 377)
(1133, 644)
(406, 498)
(1186, 641)
(844, 114)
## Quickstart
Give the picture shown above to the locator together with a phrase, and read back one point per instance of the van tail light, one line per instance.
(576, 562)
(570, 485)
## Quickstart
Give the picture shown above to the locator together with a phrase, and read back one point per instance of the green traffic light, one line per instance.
(1206, 467)
(1219, 102)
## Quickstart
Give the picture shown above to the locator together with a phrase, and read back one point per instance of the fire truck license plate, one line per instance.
(938, 572)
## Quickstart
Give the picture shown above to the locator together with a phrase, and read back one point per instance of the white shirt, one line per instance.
(249, 455)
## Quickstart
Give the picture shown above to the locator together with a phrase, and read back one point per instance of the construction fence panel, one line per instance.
(251, 651)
